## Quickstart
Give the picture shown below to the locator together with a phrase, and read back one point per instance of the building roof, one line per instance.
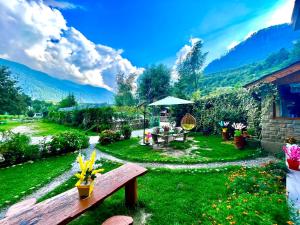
(286, 75)
(296, 15)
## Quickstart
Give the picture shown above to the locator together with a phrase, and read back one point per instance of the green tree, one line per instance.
(124, 96)
(190, 71)
(12, 100)
(69, 101)
(154, 83)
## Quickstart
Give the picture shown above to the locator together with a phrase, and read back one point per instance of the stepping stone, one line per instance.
(119, 220)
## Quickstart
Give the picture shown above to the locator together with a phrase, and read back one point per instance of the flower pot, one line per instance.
(225, 135)
(293, 164)
(85, 190)
(239, 142)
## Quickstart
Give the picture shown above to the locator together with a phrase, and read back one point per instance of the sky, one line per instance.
(89, 41)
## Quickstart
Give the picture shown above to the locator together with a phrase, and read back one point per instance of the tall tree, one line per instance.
(68, 101)
(190, 70)
(125, 89)
(12, 100)
(154, 83)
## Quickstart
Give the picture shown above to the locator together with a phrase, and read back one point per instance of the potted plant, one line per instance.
(148, 136)
(292, 153)
(166, 129)
(224, 126)
(86, 175)
(239, 139)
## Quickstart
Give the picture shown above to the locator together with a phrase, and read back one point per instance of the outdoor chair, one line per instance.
(156, 140)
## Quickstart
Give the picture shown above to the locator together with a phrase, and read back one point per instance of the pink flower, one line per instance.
(292, 151)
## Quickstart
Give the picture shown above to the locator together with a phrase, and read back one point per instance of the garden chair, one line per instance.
(156, 140)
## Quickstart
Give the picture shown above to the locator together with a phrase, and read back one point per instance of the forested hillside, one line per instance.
(256, 48)
(245, 74)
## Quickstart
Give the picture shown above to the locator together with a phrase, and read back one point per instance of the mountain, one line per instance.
(41, 86)
(256, 48)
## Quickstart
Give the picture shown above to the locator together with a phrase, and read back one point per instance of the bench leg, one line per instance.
(131, 193)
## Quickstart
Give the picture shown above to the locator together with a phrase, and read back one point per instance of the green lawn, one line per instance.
(208, 149)
(20, 180)
(9, 125)
(192, 197)
(44, 128)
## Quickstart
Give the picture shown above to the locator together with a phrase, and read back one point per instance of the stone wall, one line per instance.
(275, 131)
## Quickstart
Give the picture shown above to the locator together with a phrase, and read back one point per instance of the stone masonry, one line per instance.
(275, 131)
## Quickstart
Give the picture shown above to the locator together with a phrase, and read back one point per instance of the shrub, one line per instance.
(16, 148)
(117, 135)
(126, 131)
(68, 141)
(107, 137)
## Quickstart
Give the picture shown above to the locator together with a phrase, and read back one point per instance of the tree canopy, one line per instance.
(124, 96)
(68, 101)
(12, 100)
(154, 83)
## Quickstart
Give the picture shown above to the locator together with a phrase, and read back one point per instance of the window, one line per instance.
(289, 101)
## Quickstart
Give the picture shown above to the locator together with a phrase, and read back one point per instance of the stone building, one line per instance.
(280, 117)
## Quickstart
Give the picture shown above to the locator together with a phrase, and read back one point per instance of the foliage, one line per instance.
(126, 131)
(236, 105)
(87, 172)
(12, 100)
(41, 106)
(30, 113)
(154, 83)
(189, 71)
(68, 141)
(107, 137)
(68, 101)
(16, 148)
(124, 96)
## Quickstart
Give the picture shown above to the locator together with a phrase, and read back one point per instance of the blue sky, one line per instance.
(90, 41)
(152, 31)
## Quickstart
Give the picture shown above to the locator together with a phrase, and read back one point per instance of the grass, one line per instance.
(209, 149)
(22, 179)
(189, 197)
(9, 125)
(45, 128)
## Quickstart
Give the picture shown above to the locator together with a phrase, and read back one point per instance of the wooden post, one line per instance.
(131, 193)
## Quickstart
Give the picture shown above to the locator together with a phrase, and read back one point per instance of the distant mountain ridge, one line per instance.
(256, 48)
(41, 86)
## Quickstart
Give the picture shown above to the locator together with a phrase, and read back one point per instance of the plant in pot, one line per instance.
(86, 175)
(166, 129)
(292, 153)
(224, 126)
(239, 139)
(126, 131)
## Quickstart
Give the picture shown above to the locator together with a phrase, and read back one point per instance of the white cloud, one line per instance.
(232, 45)
(61, 4)
(38, 36)
(281, 14)
(181, 55)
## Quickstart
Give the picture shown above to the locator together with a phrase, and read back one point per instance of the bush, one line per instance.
(16, 148)
(126, 131)
(107, 137)
(68, 141)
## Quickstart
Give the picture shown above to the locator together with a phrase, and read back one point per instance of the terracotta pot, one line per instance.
(225, 136)
(293, 164)
(85, 191)
(239, 142)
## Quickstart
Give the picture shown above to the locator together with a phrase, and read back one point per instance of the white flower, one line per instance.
(238, 126)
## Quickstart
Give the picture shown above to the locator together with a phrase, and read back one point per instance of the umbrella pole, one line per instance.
(144, 124)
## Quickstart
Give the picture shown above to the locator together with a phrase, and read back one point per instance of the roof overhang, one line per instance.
(287, 75)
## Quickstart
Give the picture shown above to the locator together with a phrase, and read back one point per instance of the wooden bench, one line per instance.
(66, 206)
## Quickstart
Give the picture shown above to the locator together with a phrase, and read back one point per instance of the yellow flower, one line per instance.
(290, 222)
(98, 171)
(80, 160)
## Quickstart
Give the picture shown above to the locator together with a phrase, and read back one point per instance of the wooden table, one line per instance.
(66, 206)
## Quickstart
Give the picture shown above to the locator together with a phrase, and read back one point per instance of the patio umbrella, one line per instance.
(170, 100)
